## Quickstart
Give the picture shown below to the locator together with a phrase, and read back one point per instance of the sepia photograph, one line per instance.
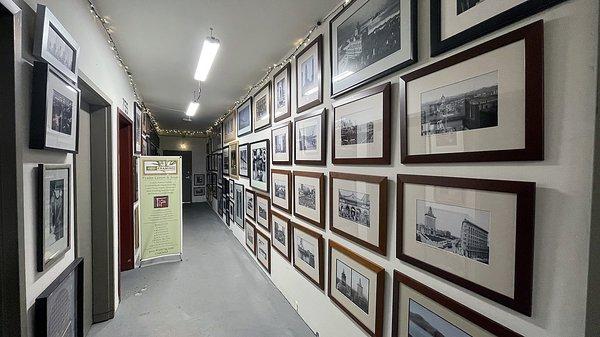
(353, 285)
(455, 229)
(58, 48)
(464, 5)
(307, 196)
(353, 133)
(57, 211)
(355, 206)
(423, 322)
(62, 113)
(306, 251)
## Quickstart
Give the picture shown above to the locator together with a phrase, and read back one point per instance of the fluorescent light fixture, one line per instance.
(192, 108)
(207, 57)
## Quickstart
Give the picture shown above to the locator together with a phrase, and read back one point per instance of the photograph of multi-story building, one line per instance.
(353, 285)
(355, 206)
(306, 251)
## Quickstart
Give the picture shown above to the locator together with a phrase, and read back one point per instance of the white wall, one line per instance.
(198, 148)
(564, 181)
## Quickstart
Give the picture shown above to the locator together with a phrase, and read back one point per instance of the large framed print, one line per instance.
(308, 254)
(281, 136)
(282, 94)
(251, 204)
(309, 76)
(229, 127)
(359, 209)
(263, 250)
(421, 311)
(137, 121)
(475, 233)
(262, 108)
(225, 159)
(54, 120)
(483, 104)
(54, 45)
(243, 160)
(54, 213)
(310, 139)
(263, 211)
(250, 235)
(240, 205)
(457, 22)
(356, 285)
(259, 165)
(281, 230)
(371, 39)
(362, 127)
(281, 191)
(244, 118)
(233, 160)
(59, 308)
(309, 197)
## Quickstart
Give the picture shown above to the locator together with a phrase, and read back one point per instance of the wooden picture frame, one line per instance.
(276, 145)
(284, 74)
(288, 235)
(250, 228)
(303, 141)
(260, 236)
(275, 190)
(320, 281)
(233, 160)
(253, 194)
(263, 93)
(318, 100)
(260, 159)
(239, 198)
(242, 129)
(229, 126)
(265, 201)
(225, 160)
(320, 177)
(244, 160)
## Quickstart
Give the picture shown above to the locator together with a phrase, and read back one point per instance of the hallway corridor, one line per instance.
(217, 291)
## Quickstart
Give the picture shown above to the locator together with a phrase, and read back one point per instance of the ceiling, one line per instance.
(161, 41)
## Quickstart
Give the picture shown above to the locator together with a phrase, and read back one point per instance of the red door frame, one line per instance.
(125, 164)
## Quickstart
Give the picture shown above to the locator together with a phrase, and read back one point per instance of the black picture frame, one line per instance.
(269, 102)
(267, 163)
(137, 127)
(247, 147)
(199, 179)
(251, 117)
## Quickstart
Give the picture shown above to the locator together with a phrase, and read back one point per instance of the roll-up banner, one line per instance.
(161, 219)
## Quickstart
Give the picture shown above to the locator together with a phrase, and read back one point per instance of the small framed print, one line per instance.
(137, 132)
(219, 163)
(199, 179)
(473, 232)
(259, 165)
(217, 138)
(239, 205)
(309, 76)
(199, 191)
(54, 214)
(231, 213)
(263, 211)
(359, 210)
(389, 49)
(233, 160)
(281, 230)
(250, 231)
(262, 108)
(229, 127)
(309, 197)
(357, 286)
(362, 127)
(263, 250)
(281, 194)
(310, 137)
(243, 160)
(219, 197)
(225, 159)
(457, 22)
(308, 254)
(251, 204)
(483, 104)
(418, 308)
(231, 188)
(281, 138)
(54, 123)
(244, 118)
(282, 88)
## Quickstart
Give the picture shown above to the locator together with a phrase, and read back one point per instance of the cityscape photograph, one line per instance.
(355, 206)
(306, 251)
(353, 285)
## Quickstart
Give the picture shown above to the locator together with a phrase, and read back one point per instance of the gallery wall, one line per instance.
(563, 192)
(198, 148)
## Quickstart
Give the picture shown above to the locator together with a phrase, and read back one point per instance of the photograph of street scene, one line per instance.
(353, 285)
(306, 251)
(355, 206)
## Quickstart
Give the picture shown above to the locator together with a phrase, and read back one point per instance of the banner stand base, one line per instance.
(162, 259)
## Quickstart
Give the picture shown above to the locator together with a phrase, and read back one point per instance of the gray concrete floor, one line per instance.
(217, 291)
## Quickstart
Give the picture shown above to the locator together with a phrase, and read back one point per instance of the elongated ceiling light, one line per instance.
(207, 57)
(192, 108)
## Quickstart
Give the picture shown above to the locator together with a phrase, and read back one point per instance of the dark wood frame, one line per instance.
(414, 38)
(203, 182)
(269, 103)
(42, 168)
(219, 197)
(137, 138)
(225, 148)
(268, 267)
(533, 36)
(226, 139)
(323, 160)
(383, 209)
(253, 217)
(501, 20)
(387, 125)
(321, 178)
(38, 122)
(250, 224)
(268, 162)
(290, 196)
(218, 137)
(234, 173)
(452, 305)
(287, 68)
(230, 215)
(290, 130)
(231, 183)
(289, 235)
(247, 145)
(524, 236)
(321, 251)
(268, 199)
(235, 185)
(199, 188)
(379, 297)
(319, 41)
(237, 116)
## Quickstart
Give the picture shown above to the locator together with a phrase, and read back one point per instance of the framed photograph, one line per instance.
(240, 205)
(356, 286)
(217, 138)
(262, 108)
(137, 122)
(251, 204)
(308, 254)
(310, 139)
(457, 22)
(475, 233)
(263, 211)
(371, 39)
(281, 136)
(54, 123)
(54, 44)
(281, 194)
(418, 308)
(231, 214)
(309, 76)
(450, 111)
(263, 250)
(59, 308)
(233, 160)
(199, 191)
(362, 127)
(219, 197)
(281, 230)
(259, 165)
(199, 179)
(250, 231)
(244, 118)
(225, 156)
(359, 209)
(309, 197)
(231, 188)
(282, 100)
(229, 128)
(243, 160)
(219, 163)
(54, 214)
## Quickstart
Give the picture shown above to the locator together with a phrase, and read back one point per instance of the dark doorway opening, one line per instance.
(186, 164)
(126, 240)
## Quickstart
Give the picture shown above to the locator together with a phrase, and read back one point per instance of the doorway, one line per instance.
(186, 164)
(126, 199)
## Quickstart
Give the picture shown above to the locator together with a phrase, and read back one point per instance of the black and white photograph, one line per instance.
(308, 254)
(263, 250)
(259, 166)
(263, 211)
(306, 251)
(282, 196)
(353, 133)
(239, 205)
(426, 323)
(282, 144)
(280, 189)
(262, 108)
(225, 160)
(458, 230)
(282, 93)
(250, 204)
(243, 160)
(233, 160)
(307, 196)
(62, 113)
(57, 211)
(354, 206)
(280, 234)
(230, 127)
(244, 118)
(309, 139)
(199, 179)
(199, 191)
(60, 49)
(353, 285)
(309, 86)
(250, 231)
